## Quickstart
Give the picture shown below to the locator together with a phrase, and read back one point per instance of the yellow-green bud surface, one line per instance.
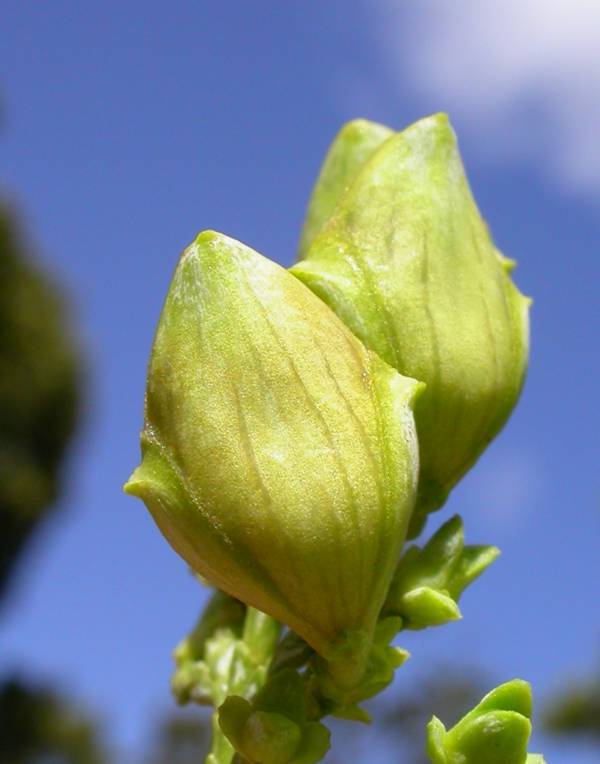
(407, 262)
(279, 455)
(353, 145)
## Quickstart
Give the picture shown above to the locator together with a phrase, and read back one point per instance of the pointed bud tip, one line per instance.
(360, 126)
(452, 527)
(436, 125)
(514, 695)
(209, 238)
(210, 246)
(206, 243)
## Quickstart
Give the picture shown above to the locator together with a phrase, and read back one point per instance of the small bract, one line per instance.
(279, 455)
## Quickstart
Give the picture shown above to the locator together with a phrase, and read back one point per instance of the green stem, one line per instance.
(221, 750)
(261, 634)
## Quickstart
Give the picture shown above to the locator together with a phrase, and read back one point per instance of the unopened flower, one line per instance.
(279, 455)
(404, 258)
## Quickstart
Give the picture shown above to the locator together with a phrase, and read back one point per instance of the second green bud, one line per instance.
(395, 244)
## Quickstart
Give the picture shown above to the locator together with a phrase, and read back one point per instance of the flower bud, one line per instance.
(407, 262)
(496, 731)
(273, 728)
(428, 582)
(279, 456)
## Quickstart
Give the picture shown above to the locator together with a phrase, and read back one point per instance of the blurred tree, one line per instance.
(401, 717)
(447, 693)
(575, 711)
(38, 406)
(38, 727)
(181, 739)
(184, 738)
(38, 394)
(39, 376)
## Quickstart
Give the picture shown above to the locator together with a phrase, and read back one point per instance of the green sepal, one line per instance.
(341, 700)
(473, 561)
(496, 731)
(273, 728)
(429, 581)
(436, 734)
(424, 607)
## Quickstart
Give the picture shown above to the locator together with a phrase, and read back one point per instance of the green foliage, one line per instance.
(575, 710)
(38, 394)
(37, 725)
(180, 739)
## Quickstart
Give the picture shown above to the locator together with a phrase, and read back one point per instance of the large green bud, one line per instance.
(279, 456)
(405, 259)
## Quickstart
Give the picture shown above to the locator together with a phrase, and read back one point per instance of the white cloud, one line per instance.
(525, 71)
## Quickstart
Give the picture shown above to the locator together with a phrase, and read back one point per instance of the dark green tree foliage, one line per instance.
(447, 693)
(38, 394)
(401, 717)
(39, 727)
(576, 710)
(181, 739)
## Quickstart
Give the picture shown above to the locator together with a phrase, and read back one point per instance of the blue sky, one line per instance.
(129, 127)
